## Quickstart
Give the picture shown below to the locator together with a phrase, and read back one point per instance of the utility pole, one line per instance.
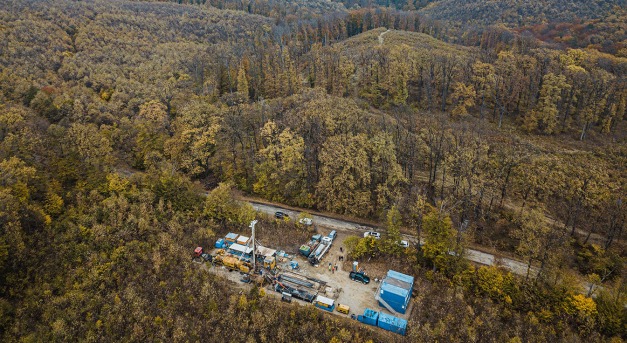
(252, 226)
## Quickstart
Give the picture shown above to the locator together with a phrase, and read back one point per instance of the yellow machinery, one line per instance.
(343, 309)
(269, 262)
(233, 263)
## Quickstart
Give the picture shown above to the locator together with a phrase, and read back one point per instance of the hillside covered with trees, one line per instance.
(117, 116)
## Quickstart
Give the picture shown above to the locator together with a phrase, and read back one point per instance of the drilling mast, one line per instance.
(252, 226)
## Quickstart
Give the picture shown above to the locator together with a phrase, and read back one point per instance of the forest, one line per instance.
(469, 127)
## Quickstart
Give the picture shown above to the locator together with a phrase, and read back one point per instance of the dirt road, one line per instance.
(476, 256)
(381, 36)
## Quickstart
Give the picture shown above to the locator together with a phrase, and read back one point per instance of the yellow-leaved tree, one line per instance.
(544, 117)
(438, 229)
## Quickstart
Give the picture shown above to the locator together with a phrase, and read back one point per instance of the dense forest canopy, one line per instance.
(518, 13)
(117, 116)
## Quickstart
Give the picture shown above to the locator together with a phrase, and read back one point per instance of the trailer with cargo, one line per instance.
(322, 249)
(294, 292)
(311, 246)
(298, 285)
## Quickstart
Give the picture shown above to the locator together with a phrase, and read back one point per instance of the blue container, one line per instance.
(392, 293)
(396, 290)
(398, 307)
(370, 317)
(402, 277)
(220, 244)
(391, 323)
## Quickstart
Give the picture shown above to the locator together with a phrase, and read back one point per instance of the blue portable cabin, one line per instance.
(392, 323)
(324, 303)
(395, 290)
(230, 238)
(220, 243)
(240, 250)
(369, 317)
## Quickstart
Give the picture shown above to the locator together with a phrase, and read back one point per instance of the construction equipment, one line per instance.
(296, 281)
(343, 308)
(311, 246)
(294, 265)
(295, 292)
(232, 263)
(287, 297)
(318, 254)
(200, 256)
(269, 262)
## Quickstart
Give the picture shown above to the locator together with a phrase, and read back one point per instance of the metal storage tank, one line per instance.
(370, 317)
(392, 323)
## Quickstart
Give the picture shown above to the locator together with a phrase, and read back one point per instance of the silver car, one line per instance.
(373, 234)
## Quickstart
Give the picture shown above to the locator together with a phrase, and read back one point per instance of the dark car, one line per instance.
(359, 277)
(280, 215)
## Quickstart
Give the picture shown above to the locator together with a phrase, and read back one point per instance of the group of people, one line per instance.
(333, 267)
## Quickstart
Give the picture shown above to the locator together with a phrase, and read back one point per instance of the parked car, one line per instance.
(359, 277)
(280, 215)
(332, 234)
(403, 243)
(373, 234)
(306, 221)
